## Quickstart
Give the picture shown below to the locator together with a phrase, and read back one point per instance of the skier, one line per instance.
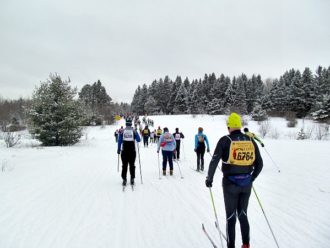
(146, 134)
(241, 164)
(168, 144)
(128, 153)
(200, 140)
(158, 134)
(178, 136)
(253, 136)
(121, 129)
(152, 137)
(116, 135)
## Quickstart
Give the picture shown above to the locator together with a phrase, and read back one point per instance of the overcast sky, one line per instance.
(125, 43)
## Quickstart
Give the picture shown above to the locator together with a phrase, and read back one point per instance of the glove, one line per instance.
(208, 183)
(195, 150)
(118, 151)
(157, 151)
(208, 150)
(262, 144)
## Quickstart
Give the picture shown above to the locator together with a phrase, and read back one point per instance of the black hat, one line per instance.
(246, 129)
(165, 129)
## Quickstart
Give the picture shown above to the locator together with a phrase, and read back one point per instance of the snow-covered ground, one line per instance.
(71, 197)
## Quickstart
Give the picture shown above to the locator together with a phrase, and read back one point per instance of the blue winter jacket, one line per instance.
(167, 142)
(205, 140)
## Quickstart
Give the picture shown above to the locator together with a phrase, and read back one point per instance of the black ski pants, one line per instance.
(128, 158)
(200, 158)
(167, 156)
(177, 155)
(236, 204)
(145, 141)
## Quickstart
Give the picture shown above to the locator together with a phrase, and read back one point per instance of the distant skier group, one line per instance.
(241, 163)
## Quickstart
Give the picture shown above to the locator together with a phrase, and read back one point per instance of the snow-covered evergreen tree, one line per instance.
(258, 114)
(173, 94)
(96, 102)
(54, 114)
(323, 114)
(181, 101)
(239, 101)
(150, 106)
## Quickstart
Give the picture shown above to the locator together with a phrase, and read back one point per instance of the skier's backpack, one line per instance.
(201, 138)
(145, 131)
(168, 137)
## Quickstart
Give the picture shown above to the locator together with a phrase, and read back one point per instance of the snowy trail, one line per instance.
(64, 197)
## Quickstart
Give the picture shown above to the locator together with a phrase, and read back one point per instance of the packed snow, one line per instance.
(71, 197)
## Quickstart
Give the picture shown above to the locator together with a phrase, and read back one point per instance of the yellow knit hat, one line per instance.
(234, 121)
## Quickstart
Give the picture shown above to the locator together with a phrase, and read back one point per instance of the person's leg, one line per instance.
(124, 167)
(198, 159)
(202, 159)
(243, 203)
(132, 164)
(164, 160)
(178, 149)
(230, 193)
(170, 160)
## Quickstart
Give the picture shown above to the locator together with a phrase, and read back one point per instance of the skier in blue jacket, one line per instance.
(168, 144)
(200, 140)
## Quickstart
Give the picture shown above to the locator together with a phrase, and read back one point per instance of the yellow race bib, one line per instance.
(241, 153)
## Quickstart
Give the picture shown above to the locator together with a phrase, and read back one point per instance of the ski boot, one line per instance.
(132, 181)
(124, 182)
(245, 246)
(164, 172)
(171, 172)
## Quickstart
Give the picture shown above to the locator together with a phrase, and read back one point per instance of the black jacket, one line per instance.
(222, 152)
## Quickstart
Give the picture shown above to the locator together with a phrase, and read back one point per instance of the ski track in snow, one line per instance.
(71, 197)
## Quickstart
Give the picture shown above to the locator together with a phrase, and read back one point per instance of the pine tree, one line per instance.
(173, 94)
(97, 103)
(239, 100)
(54, 114)
(150, 106)
(181, 101)
(309, 88)
(258, 114)
(323, 114)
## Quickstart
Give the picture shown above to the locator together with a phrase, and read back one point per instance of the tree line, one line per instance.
(303, 94)
(57, 112)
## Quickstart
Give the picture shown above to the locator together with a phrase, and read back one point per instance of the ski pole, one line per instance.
(272, 160)
(118, 164)
(159, 167)
(140, 163)
(179, 169)
(271, 230)
(184, 154)
(216, 217)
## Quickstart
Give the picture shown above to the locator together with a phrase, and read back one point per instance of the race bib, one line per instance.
(241, 153)
(177, 136)
(128, 135)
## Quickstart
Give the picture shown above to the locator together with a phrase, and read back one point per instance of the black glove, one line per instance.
(208, 150)
(208, 183)
(195, 150)
(118, 151)
(262, 144)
